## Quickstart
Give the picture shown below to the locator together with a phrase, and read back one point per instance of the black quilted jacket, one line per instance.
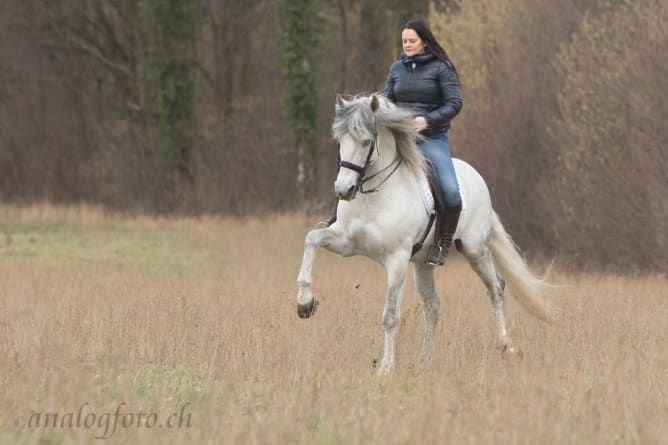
(428, 86)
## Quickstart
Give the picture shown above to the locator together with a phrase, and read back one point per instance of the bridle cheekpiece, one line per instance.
(361, 169)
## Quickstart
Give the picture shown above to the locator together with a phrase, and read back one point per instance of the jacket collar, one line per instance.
(419, 59)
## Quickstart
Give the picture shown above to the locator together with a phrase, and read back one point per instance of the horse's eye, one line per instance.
(367, 142)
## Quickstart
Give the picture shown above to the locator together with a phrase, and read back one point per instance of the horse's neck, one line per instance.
(395, 187)
(387, 149)
(396, 210)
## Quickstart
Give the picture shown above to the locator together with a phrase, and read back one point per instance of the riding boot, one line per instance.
(447, 224)
(332, 217)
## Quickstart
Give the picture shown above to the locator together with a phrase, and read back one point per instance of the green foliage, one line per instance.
(299, 36)
(169, 28)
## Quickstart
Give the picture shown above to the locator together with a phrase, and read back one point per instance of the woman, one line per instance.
(425, 80)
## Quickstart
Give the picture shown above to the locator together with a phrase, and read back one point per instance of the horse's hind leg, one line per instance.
(330, 238)
(396, 283)
(483, 265)
(423, 276)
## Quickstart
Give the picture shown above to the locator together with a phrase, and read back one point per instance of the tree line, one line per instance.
(220, 106)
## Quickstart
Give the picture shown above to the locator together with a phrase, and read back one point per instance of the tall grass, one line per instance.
(105, 311)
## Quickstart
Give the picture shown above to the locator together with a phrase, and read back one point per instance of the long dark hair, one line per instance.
(431, 44)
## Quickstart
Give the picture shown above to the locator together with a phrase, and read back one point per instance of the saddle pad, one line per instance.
(428, 196)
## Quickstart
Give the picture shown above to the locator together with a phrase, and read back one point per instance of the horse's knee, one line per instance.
(390, 320)
(432, 308)
(312, 239)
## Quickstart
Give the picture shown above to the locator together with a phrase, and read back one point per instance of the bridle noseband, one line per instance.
(362, 169)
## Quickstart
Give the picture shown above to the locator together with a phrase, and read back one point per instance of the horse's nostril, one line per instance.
(348, 194)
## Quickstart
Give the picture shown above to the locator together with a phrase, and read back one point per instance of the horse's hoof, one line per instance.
(384, 371)
(308, 309)
(511, 351)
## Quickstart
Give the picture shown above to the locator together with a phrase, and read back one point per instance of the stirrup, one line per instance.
(436, 255)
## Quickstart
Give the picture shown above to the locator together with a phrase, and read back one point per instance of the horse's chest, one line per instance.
(374, 241)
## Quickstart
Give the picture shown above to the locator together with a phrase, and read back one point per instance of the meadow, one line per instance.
(145, 330)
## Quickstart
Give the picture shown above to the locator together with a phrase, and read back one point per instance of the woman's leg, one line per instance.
(437, 150)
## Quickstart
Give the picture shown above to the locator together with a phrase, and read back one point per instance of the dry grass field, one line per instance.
(139, 330)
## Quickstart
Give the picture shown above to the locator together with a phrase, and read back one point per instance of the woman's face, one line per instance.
(411, 42)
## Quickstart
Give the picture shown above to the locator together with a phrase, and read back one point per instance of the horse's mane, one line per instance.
(356, 118)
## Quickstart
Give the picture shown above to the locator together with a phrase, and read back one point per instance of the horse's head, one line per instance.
(368, 129)
(355, 129)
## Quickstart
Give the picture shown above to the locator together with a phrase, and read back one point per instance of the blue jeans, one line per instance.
(436, 148)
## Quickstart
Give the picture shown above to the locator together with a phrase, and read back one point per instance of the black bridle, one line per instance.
(361, 169)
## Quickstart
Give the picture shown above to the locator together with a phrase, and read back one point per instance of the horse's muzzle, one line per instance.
(347, 194)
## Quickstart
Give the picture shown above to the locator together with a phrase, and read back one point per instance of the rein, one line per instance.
(396, 162)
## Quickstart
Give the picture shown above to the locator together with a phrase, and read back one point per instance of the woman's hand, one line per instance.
(419, 123)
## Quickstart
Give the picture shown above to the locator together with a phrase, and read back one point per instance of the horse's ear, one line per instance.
(340, 103)
(374, 103)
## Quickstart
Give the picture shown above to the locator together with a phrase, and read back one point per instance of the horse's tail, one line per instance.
(525, 287)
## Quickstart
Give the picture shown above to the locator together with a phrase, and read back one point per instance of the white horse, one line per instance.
(378, 151)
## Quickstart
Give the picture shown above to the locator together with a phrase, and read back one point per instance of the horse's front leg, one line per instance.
(396, 267)
(331, 238)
